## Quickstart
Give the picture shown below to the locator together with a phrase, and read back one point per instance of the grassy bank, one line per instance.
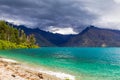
(11, 45)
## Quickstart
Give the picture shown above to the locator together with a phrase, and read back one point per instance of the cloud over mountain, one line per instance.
(61, 13)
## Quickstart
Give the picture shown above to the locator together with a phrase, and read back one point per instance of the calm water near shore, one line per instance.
(83, 63)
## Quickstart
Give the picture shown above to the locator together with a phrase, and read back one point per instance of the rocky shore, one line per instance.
(12, 70)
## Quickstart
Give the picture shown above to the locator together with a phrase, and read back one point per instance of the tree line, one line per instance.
(11, 35)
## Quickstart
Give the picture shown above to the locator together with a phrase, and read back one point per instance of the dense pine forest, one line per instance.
(11, 38)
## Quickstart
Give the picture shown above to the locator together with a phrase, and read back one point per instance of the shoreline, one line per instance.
(24, 72)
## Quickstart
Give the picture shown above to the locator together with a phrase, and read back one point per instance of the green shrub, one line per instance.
(11, 38)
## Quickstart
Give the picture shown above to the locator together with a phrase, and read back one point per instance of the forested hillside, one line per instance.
(12, 38)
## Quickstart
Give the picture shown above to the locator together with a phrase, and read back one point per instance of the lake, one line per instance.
(83, 63)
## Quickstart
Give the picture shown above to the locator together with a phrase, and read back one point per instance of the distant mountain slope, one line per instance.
(45, 38)
(95, 37)
(40, 39)
(89, 37)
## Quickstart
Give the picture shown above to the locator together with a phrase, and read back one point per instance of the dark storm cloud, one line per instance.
(46, 13)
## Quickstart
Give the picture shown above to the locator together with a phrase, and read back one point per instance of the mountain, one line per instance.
(95, 37)
(45, 38)
(89, 37)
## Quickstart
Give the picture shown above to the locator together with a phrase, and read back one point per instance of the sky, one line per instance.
(62, 16)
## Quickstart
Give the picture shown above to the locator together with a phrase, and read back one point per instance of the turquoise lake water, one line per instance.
(83, 63)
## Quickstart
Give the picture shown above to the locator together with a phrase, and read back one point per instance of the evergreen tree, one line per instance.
(32, 39)
(15, 37)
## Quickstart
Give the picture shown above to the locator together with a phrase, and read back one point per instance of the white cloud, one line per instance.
(117, 1)
(64, 31)
(76, 14)
(16, 21)
(108, 12)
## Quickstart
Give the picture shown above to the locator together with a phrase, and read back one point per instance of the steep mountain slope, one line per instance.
(40, 39)
(89, 37)
(45, 38)
(95, 37)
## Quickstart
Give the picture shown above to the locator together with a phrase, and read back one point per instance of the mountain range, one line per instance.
(90, 37)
